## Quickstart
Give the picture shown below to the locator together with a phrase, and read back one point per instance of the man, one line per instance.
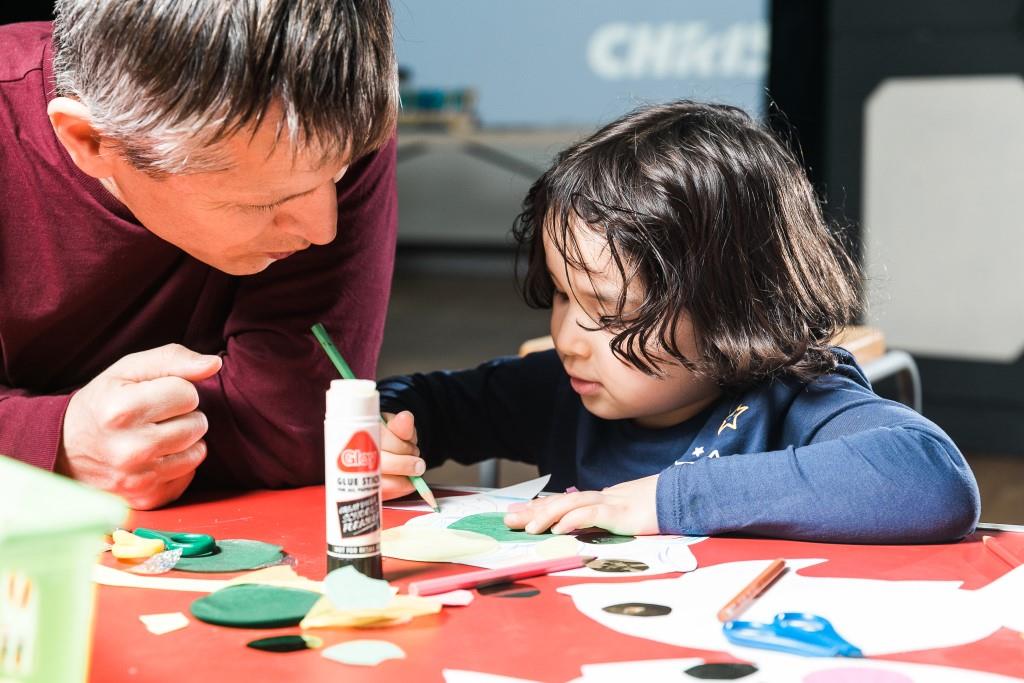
(185, 188)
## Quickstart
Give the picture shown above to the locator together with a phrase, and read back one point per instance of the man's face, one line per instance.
(272, 202)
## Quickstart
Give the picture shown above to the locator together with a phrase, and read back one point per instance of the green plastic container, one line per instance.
(51, 530)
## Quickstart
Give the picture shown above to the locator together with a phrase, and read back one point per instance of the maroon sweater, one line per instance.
(83, 283)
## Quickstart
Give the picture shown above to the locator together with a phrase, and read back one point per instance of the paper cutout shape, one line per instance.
(661, 554)
(364, 652)
(721, 671)
(128, 546)
(463, 676)
(254, 606)
(281, 575)
(456, 598)
(108, 576)
(165, 622)
(290, 643)
(324, 614)
(234, 555)
(779, 667)
(915, 615)
(520, 492)
(493, 524)
(433, 545)
(348, 589)
(161, 563)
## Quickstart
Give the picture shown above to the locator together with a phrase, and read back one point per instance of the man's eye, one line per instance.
(262, 208)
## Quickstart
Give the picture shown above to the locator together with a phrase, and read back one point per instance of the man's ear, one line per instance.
(72, 124)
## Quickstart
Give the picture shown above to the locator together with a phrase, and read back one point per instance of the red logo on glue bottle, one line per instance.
(360, 454)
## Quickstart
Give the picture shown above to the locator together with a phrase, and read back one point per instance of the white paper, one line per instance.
(462, 676)
(777, 667)
(108, 576)
(661, 554)
(879, 617)
(165, 622)
(492, 500)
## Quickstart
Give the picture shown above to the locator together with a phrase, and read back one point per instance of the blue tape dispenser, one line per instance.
(793, 632)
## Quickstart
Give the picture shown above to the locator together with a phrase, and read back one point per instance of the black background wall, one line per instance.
(827, 56)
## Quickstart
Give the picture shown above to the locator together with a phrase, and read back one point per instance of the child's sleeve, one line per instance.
(503, 408)
(868, 470)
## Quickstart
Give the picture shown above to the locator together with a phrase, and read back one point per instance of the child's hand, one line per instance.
(399, 456)
(628, 508)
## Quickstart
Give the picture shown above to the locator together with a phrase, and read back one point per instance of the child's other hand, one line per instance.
(628, 508)
(399, 456)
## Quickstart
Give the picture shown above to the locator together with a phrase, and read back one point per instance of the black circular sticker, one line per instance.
(602, 564)
(721, 671)
(639, 609)
(603, 538)
(509, 590)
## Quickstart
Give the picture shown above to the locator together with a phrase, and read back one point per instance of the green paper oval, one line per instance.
(493, 524)
(254, 606)
(234, 555)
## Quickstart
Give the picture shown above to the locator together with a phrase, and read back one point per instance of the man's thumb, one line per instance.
(170, 360)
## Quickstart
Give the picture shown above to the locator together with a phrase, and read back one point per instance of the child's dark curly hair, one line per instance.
(717, 220)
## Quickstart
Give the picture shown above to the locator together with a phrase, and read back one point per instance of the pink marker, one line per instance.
(487, 577)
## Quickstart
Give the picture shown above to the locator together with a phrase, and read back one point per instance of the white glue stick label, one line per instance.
(352, 476)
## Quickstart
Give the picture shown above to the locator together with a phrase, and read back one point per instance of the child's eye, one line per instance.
(261, 208)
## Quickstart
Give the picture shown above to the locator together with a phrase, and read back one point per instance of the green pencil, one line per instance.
(346, 373)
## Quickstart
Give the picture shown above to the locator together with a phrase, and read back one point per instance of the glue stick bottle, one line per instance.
(352, 475)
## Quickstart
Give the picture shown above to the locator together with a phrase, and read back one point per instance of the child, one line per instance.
(694, 288)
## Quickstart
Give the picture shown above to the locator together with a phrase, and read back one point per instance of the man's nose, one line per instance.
(316, 230)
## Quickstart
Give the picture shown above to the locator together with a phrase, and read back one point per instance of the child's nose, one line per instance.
(569, 337)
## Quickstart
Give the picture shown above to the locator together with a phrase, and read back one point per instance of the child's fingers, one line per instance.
(390, 443)
(541, 514)
(403, 426)
(584, 518)
(401, 465)
(395, 487)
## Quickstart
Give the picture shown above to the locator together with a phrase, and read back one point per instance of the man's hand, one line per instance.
(399, 455)
(134, 430)
(629, 508)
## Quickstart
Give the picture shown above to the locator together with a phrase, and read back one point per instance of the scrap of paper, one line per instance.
(108, 576)
(161, 563)
(778, 667)
(364, 652)
(616, 555)
(463, 676)
(280, 575)
(487, 501)
(165, 622)
(402, 607)
(426, 544)
(879, 617)
(456, 598)
(348, 589)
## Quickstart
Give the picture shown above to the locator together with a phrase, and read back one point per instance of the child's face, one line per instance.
(608, 387)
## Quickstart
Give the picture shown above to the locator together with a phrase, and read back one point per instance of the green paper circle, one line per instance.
(234, 555)
(254, 606)
(493, 524)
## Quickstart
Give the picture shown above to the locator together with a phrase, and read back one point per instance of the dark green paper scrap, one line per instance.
(254, 606)
(234, 555)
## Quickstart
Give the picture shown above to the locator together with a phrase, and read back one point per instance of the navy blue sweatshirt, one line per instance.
(827, 460)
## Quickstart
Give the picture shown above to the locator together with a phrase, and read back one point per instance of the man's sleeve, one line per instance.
(266, 406)
(31, 426)
(501, 409)
(873, 471)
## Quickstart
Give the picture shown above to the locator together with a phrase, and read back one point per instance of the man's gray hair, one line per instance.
(167, 80)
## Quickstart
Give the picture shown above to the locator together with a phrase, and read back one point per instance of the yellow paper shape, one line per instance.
(282, 576)
(425, 544)
(128, 546)
(325, 615)
(559, 546)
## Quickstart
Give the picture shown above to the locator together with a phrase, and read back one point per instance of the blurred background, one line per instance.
(908, 114)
